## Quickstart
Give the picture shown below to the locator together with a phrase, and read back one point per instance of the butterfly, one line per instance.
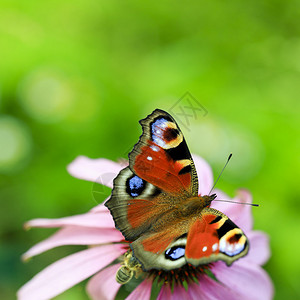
(156, 206)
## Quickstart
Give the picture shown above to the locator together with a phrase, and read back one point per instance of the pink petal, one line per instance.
(259, 250)
(240, 214)
(98, 220)
(100, 170)
(209, 289)
(205, 175)
(142, 291)
(248, 280)
(100, 208)
(165, 293)
(103, 286)
(180, 293)
(196, 292)
(221, 206)
(69, 271)
(74, 235)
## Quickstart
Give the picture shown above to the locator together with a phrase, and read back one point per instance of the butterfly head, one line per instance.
(213, 197)
(207, 199)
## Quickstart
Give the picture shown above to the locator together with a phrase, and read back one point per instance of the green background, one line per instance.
(76, 76)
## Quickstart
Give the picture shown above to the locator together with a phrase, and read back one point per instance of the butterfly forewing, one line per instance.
(213, 236)
(132, 204)
(162, 157)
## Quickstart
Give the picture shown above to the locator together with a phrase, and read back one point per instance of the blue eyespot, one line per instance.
(175, 253)
(135, 186)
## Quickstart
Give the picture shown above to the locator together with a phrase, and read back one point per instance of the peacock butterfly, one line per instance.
(156, 206)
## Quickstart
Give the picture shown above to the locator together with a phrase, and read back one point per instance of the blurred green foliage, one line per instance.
(76, 76)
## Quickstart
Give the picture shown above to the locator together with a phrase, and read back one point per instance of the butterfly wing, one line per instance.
(161, 250)
(213, 236)
(203, 239)
(161, 171)
(132, 204)
(162, 157)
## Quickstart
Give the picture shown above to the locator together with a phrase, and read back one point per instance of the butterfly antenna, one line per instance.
(230, 155)
(252, 204)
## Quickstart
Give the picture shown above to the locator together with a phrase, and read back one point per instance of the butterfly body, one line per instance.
(156, 206)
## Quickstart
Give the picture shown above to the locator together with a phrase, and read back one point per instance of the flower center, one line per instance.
(185, 274)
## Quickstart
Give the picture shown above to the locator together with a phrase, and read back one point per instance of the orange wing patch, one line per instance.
(141, 212)
(202, 240)
(213, 236)
(154, 165)
(157, 243)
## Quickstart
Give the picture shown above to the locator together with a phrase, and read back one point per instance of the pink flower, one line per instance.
(245, 279)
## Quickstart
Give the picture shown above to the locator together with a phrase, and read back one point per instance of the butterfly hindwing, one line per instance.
(164, 249)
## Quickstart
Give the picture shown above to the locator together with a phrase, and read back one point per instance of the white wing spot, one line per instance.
(214, 247)
(204, 249)
(154, 148)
